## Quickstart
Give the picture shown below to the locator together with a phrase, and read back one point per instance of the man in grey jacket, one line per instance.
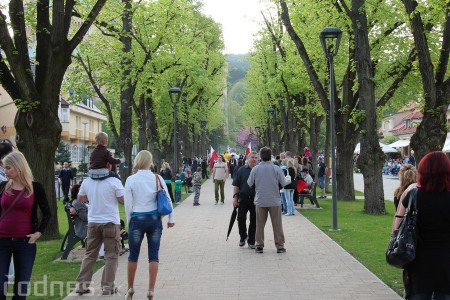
(268, 178)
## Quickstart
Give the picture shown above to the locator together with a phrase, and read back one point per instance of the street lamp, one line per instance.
(202, 125)
(330, 38)
(177, 91)
(270, 112)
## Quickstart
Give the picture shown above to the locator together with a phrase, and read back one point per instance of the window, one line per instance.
(78, 122)
(64, 115)
(408, 123)
(75, 153)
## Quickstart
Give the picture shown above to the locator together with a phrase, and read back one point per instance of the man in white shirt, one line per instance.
(103, 227)
(220, 175)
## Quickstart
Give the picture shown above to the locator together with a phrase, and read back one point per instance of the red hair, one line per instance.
(434, 172)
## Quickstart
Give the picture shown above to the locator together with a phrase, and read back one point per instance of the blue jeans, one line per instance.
(24, 255)
(177, 196)
(289, 195)
(283, 202)
(149, 225)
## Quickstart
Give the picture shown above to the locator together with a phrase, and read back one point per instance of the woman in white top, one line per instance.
(143, 218)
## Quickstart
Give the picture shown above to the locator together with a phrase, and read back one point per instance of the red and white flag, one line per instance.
(249, 149)
(213, 158)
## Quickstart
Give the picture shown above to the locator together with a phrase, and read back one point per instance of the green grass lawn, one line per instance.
(363, 235)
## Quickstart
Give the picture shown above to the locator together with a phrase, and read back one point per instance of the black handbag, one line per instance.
(402, 247)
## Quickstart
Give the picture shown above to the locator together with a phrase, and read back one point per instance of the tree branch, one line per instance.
(304, 56)
(400, 72)
(78, 37)
(441, 69)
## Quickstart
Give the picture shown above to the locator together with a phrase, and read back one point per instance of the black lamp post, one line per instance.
(177, 91)
(202, 125)
(330, 38)
(270, 112)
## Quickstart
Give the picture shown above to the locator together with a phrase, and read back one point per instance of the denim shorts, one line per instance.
(141, 225)
(322, 181)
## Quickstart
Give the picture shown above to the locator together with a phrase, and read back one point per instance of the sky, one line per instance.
(239, 20)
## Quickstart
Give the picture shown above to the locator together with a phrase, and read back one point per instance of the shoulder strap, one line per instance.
(12, 204)
(158, 183)
(411, 202)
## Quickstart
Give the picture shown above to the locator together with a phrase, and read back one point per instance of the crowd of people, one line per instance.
(263, 185)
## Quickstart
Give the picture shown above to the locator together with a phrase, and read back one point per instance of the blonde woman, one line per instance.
(407, 176)
(166, 174)
(20, 227)
(143, 219)
(289, 189)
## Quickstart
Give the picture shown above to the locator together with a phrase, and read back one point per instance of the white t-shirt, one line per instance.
(102, 196)
(220, 170)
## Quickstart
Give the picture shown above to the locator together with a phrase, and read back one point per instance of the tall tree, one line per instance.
(34, 82)
(349, 114)
(432, 131)
(371, 158)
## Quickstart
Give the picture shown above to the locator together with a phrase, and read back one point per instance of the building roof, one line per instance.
(414, 115)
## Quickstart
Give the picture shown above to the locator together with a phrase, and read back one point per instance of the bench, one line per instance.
(70, 239)
(311, 196)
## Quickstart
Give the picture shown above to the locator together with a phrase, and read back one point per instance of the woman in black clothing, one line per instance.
(166, 173)
(428, 275)
(20, 226)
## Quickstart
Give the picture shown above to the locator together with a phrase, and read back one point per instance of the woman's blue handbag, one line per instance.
(163, 201)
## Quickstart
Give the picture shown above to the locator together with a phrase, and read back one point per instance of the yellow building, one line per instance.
(80, 123)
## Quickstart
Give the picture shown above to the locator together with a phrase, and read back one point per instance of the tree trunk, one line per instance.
(36, 142)
(346, 136)
(344, 171)
(431, 133)
(314, 135)
(153, 134)
(373, 199)
(371, 158)
(142, 124)
(126, 93)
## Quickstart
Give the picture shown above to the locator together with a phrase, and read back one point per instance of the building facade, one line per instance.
(80, 123)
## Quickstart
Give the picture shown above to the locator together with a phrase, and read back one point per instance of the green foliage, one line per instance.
(389, 139)
(173, 44)
(26, 106)
(83, 168)
(62, 154)
(357, 116)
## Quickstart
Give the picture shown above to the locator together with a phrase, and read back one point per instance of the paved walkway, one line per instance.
(197, 263)
(390, 183)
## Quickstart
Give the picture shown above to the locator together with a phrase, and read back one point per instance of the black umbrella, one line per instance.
(232, 220)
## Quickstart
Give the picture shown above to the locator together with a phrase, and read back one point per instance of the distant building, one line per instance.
(80, 123)
(403, 124)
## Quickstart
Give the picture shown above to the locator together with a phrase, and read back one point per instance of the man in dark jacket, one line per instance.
(243, 197)
(66, 178)
(204, 165)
